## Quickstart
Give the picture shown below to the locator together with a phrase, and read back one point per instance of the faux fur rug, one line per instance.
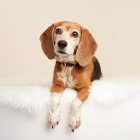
(34, 98)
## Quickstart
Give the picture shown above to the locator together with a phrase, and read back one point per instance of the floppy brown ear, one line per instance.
(86, 48)
(47, 42)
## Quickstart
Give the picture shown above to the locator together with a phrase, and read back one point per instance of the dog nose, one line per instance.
(62, 44)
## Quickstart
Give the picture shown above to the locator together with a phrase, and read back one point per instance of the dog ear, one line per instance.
(47, 42)
(86, 48)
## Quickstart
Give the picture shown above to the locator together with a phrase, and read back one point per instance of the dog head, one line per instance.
(68, 40)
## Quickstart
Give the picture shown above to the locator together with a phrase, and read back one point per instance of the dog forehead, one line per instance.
(69, 25)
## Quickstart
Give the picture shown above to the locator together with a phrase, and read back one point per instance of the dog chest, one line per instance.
(66, 77)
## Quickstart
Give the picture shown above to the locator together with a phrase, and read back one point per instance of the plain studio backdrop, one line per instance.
(114, 112)
(114, 24)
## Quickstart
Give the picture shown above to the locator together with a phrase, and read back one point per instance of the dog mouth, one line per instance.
(62, 52)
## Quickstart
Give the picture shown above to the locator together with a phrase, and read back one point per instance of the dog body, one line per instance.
(76, 67)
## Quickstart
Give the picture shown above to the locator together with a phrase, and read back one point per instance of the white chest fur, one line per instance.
(66, 76)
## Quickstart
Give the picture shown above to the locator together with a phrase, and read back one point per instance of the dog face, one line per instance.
(66, 39)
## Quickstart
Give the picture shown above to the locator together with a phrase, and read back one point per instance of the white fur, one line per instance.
(70, 81)
(67, 77)
(75, 113)
(32, 99)
(55, 100)
(62, 77)
(65, 58)
(55, 109)
(76, 106)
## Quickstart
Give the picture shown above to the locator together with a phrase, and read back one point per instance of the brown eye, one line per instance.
(75, 34)
(58, 31)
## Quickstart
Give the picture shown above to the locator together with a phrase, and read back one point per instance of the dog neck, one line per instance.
(66, 59)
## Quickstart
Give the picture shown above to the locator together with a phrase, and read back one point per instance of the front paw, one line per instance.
(75, 122)
(54, 117)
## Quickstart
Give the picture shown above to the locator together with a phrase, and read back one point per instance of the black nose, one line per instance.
(62, 44)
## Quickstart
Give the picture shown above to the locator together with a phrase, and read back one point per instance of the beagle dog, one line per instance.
(76, 67)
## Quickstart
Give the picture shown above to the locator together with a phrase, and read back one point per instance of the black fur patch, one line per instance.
(97, 73)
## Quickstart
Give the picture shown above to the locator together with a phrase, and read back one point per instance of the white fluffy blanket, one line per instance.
(34, 98)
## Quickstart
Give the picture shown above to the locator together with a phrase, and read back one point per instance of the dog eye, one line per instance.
(75, 34)
(58, 31)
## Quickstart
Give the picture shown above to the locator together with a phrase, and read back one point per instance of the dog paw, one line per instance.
(54, 118)
(75, 122)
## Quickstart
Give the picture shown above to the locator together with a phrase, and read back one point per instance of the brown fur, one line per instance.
(47, 42)
(58, 86)
(86, 48)
(80, 74)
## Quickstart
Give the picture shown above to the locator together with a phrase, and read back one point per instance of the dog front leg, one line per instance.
(55, 105)
(75, 112)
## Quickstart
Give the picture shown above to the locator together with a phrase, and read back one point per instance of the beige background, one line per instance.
(114, 24)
